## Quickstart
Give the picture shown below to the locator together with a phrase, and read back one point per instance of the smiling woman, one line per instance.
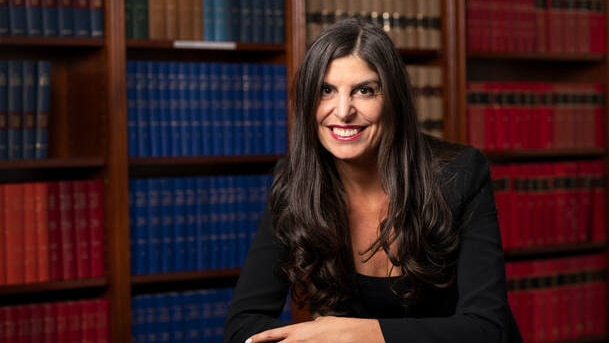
(383, 233)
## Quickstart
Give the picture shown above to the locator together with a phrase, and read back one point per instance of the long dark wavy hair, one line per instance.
(307, 198)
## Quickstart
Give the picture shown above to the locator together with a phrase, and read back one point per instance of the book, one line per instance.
(65, 18)
(33, 17)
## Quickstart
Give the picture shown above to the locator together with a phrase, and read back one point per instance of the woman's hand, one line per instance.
(324, 330)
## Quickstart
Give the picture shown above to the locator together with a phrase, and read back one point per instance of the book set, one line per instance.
(52, 18)
(189, 224)
(257, 21)
(206, 109)
(536, 26)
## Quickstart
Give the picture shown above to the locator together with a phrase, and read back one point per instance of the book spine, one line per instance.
(30, 242)
(65, 18)
(16, 16)
(4, 18)
(15, 110)
(41, 215)
(96, 18)
(4, 85)
(28, 134)
(33, 17)
(82, 230)
(49, 18)
(96, 225)
(82, 19)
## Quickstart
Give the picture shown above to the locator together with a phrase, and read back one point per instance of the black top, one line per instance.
(474, 309)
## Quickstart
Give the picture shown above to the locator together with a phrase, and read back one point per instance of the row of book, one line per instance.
(25, 89)
(191, 316)
(52, 18)
(411, 24)
(51, 231)
(533, 26)
(535, 115)
(201, 223)
(427, 84)
(561, 299)
(60, 322)
(550, 203)
(258, 21)
(202, 109)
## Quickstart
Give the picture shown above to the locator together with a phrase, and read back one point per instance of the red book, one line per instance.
(599, 116)
(528, 39)
(81, 230)
(522, 211)
(55, 252)
(474, 28)
(62, 317)
(570, 26)
(36, 323)
(582, 22)
(22, 323)
(597, 27)
(555, 22)
(486, 35)
(10, 324)
(599, 294)
(547, 215)
(584, 200)
(95, 208)
(543, 116)
(29, 231)
(535, 201)
(88, 310)
(66, 229)
(101, 319)
(14, 235)
(541, 25)
(504, 115)
(74, 322)
(478, 102)
(49, 323)
(2, 239)
(41, 215)
(599, 202)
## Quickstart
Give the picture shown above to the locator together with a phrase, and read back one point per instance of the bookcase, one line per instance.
(89, 136)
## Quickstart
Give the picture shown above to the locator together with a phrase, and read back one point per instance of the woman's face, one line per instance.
(350, 110)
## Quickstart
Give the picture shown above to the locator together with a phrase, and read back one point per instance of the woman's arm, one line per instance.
(482, 312)
(261, 291)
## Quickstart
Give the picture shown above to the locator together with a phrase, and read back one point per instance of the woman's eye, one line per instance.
(365, 91)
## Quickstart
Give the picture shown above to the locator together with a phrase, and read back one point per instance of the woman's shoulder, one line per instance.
(449, 156)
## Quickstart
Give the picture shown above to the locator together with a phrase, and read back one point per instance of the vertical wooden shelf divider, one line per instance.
(116, 178)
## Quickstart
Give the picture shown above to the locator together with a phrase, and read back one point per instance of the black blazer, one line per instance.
(474, 309)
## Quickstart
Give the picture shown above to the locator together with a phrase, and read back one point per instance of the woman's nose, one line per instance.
(344, 107)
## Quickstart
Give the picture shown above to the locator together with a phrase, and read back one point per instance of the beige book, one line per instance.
(341, 8)
(435, 24)
(156, 19)
(410, 24)
(313, 19)
(197, 19)
(422, 27)
(436, 103)
(171, 19)
(185, 19)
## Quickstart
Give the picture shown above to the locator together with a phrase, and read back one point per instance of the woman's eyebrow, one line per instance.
(366, 83)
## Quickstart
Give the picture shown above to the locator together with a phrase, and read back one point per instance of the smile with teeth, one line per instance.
(346, 132)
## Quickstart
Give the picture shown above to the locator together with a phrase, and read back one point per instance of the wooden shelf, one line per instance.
(46, 42)
(180, 281)
(202, 45)
(53, 163)
(537, 155)
(553, 251)
(256, 164)
(537, 57)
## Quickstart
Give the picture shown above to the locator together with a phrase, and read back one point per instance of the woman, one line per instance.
(383, 233)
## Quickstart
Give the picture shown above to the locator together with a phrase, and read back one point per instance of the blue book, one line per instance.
(258, 21)
(257, 128)
(241, 222)
(269, 21)
(209, 19)
(207, 298)
(140, 227)
(4, 30)
(194, 112)
(204, 113)
(15, 110)
(65, 18)
(193, 311)
(190, 214)
(247, 112)
(234, 17)
(28, 100)
(183, 115)
(227, 109)
(43, 105)
(132, 131)
(154, 108)
(3, 109)
(163, 318)
(171, 116)
(179, 224)
(203, 221)
(268, 109)
(232, 228)
(82, 18)
(49, 18)
(246, 25)
(154, 226)
(96, 21)
(176, 308)
(132, 231)
(222, 21)
(214, 223)
(215, 98)
(137, 318)
(236, 94)
(164, 96)
(278, 21)
(167, 226)
(281, 113)
(16, 16)
(142, 74)
(33, 18)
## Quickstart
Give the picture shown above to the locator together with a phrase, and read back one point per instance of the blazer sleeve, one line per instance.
(482, 313)
(261, 290)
